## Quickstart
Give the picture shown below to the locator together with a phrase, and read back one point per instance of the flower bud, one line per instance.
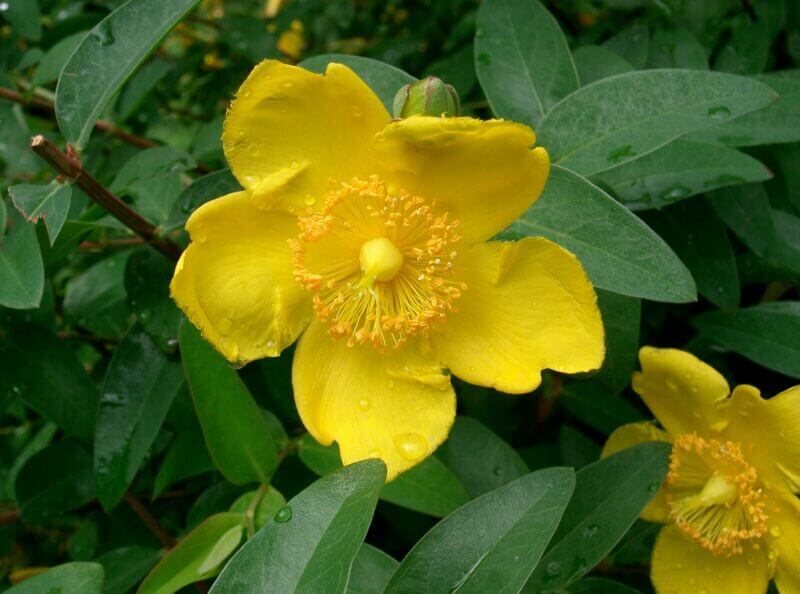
(430, 96)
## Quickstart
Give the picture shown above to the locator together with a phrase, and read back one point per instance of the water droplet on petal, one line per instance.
(309, 200)
(775, 531)
(364, 404)
(412, 446)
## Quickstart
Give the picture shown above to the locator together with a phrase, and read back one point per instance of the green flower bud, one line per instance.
(430, 96)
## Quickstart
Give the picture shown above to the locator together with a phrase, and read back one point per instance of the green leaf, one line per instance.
(768, 334)
(44, 203)
(491, 544)
(429, 487)
(619, 252)
(55, 481)
(147, 277)
(591, 403)
(270, 503)
(208, 187)
(599, 586)
(678, 170)
(313, 540)
(141, 84)
(45, 374)
(785, 249)
(522, 59)
(200, 554)
(40, 440)
(140, 384)
(594, 62)
(609, 495)
(621, 319)
(54, 59)
(481, 460)
(235, 431)
(126, 566)
(21, 268)
(746, 210)
(86, 578)
(633, 44)
(371, 571)
(693, 230)
(779, 122)
(617, 119)
(186, 457)
(576, 448)
(384, 79)
(675, 47)
(107, 57)
(96, 298)
(24, 17)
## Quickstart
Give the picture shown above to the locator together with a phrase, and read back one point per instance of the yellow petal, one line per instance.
(528, 306)
(235, 281)
(769, 432)
(484, 173)
(682, 392)
(633, 434)
(681, 566)
(783, 539)
(289, 130)
(397, 404)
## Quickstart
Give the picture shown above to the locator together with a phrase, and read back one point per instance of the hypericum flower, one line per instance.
(367, 236)
(729, 500)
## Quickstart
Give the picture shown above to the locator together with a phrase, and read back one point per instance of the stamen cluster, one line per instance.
(383, 313)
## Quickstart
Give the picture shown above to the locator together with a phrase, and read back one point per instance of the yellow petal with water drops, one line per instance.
(527, 306)
(682, 392)
(633, 434)
(482, 173)
(289, 130)
(769, 432)
(394, 404)
(783, 540)
(235, 281)
(680, 566)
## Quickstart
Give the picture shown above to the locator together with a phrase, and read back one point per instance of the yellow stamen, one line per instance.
(379, 262)
(713, 494)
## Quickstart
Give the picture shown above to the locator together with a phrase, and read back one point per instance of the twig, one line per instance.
(101, 125)
(69, 167)
(137, 506)
(64, 335)
(9, 517)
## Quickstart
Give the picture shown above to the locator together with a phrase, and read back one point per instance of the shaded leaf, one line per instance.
(44, 203)
(21, 268)
(86, 578)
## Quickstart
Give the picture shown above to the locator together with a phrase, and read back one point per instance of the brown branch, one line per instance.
(69, 167)
(9, 517)
(141, 510)
(102, 125)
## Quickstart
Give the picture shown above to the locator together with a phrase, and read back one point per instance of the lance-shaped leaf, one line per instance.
(86, 578)
(44, 203)
(21, 267)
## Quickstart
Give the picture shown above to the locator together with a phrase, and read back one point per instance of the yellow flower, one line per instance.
(292, 41)
(729, 500)
(368, 236)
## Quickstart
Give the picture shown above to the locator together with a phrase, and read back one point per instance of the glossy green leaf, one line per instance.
(44, 203)
(147, 277)
(594, 62)
(313, 540)
(24, 17)
(45, 374)
(55, 481)
(199, 554)
(617, 119)
(678, 170)
(746, 210)
(619, 252)
(493, 543)
(481, 460)
(371, 571)
(522, 59)
(54, 59)
(126, 566)
(430, 487)
(21, 268)
(236, 433)
(779, 122)
(621, 320)
(107, 57)
(591, 403)
(768, 333)
(384, 79)
(692, 229)
(609, 495)
(140, 384)
(69, 578)
(96, 298)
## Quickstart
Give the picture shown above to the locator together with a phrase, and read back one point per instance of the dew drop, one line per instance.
(591, 531)
(357, 113)
(553, 570)
(103, 33)
(3, 6)
(497, 471)
(719, 112)
(374, 453)
(284, 514)
(390, 384)
(309, 200)
(364, 404)
(412, 446)
(775, 531)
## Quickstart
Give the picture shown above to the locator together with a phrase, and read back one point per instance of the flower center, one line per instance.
(379, 262)
(713, 494)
